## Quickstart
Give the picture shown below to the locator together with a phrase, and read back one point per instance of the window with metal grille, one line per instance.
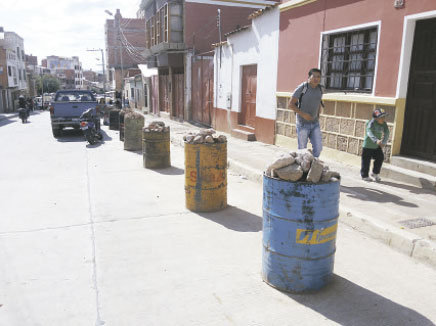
(348, 60)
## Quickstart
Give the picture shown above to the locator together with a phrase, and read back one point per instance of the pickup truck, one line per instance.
(67, 106)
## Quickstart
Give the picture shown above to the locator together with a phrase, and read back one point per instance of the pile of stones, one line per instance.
(207, 136)
(301, 166)
(156, 126)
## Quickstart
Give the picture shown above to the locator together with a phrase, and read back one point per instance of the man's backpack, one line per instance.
(305, 86)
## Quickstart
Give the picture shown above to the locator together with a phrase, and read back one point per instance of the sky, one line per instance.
(63, 27)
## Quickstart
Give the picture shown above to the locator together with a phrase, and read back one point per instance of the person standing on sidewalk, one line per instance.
(376, 128)
(306, 103)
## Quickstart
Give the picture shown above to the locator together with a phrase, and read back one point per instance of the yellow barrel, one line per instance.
(156, 149)
(206, 176)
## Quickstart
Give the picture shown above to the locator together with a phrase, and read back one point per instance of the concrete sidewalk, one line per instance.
(391, 211)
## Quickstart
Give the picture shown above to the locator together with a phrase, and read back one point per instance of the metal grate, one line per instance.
(348, 60)
(417, 223)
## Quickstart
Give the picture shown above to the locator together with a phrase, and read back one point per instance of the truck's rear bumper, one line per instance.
(74, 122)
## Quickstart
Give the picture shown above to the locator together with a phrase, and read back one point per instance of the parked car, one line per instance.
(67, 107)
(38, 102)
(46, 100)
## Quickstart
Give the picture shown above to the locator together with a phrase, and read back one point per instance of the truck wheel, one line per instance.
(56, 132)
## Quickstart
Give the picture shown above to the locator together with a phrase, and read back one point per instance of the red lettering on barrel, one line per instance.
(193, 176)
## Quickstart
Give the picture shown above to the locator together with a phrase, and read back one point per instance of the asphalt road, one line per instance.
(90, 237)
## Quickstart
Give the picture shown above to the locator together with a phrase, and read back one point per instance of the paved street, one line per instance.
(89, 237)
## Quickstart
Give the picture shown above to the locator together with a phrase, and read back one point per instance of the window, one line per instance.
(165, 20)
(9, 71)
(158, 27)
(132, 93)
(148, 34)
(145, 95)
(19, 74)
(153, 32)
(348, 60)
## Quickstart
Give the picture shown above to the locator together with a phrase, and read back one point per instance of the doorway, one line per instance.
(419, 138)
(248, 100)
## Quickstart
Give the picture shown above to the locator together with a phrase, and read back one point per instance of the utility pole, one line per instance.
(218, 21)
(104, 69)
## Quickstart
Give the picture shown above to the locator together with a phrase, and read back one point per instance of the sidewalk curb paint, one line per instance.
(400, 240)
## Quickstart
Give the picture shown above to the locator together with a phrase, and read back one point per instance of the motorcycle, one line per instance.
(88, 125)
(23, 114)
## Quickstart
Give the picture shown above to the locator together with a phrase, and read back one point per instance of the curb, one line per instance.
(400, 240)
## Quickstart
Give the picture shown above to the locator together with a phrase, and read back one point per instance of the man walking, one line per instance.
(306, 102)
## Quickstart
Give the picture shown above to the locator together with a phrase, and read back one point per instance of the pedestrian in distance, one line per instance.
(376, 137)
(306, 103)
(30, 104)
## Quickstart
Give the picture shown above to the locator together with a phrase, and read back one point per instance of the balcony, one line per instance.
(164, 28)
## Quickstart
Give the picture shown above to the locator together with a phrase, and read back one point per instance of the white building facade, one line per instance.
(16, 61)
(15, 70)
(246, 77)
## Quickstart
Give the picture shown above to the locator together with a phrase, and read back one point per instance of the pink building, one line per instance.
(371, 53)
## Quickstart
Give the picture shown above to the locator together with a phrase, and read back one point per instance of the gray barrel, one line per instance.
(133, 124)
(156, 149)
(122, 112)
(114, 119)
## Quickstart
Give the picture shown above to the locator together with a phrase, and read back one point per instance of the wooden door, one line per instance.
(164, 104)
(202, 89)
(155, 94)
(207, 71)
(419, 136)
(248, 101)
(179, 96)
(197, 92)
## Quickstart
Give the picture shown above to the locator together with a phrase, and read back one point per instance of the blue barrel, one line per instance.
(300, 222)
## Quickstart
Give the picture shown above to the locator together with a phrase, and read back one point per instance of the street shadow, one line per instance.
(235, 219)
(106, 137)
(374, 195)
(74, 136)
(6, 121)
(139, 152)
(172, 170)
(426, 187)
(349, 304)
(71, 136)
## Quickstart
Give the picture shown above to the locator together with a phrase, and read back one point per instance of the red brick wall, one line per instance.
(134, 31)
(200, 20)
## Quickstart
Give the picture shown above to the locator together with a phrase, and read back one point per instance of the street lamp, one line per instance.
(121, 52)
